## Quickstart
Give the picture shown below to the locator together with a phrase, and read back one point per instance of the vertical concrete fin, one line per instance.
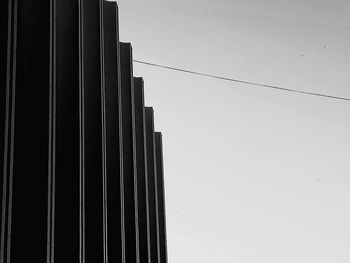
(130, 200)
(151, 184)
(92, 133)
(66, 133)
(113, 132)
(31, 139)
(141, 175)
(161, 196)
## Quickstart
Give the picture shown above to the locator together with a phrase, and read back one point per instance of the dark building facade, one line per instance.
(82, 167)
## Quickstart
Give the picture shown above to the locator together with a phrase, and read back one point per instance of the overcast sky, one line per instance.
(252, 175)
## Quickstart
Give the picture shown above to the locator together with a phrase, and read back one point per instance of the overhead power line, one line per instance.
(243, 81)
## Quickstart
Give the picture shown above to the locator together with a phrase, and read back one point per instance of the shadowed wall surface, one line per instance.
(72, 131)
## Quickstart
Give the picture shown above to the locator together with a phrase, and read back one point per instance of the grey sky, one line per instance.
(252, 175)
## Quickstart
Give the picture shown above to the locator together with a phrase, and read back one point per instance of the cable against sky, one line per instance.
(242, 81)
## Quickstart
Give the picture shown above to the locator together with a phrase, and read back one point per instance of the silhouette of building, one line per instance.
(82, 166)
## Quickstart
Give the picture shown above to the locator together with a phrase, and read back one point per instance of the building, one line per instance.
(82, 165)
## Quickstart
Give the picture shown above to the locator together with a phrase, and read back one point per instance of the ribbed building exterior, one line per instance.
(82, 167)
